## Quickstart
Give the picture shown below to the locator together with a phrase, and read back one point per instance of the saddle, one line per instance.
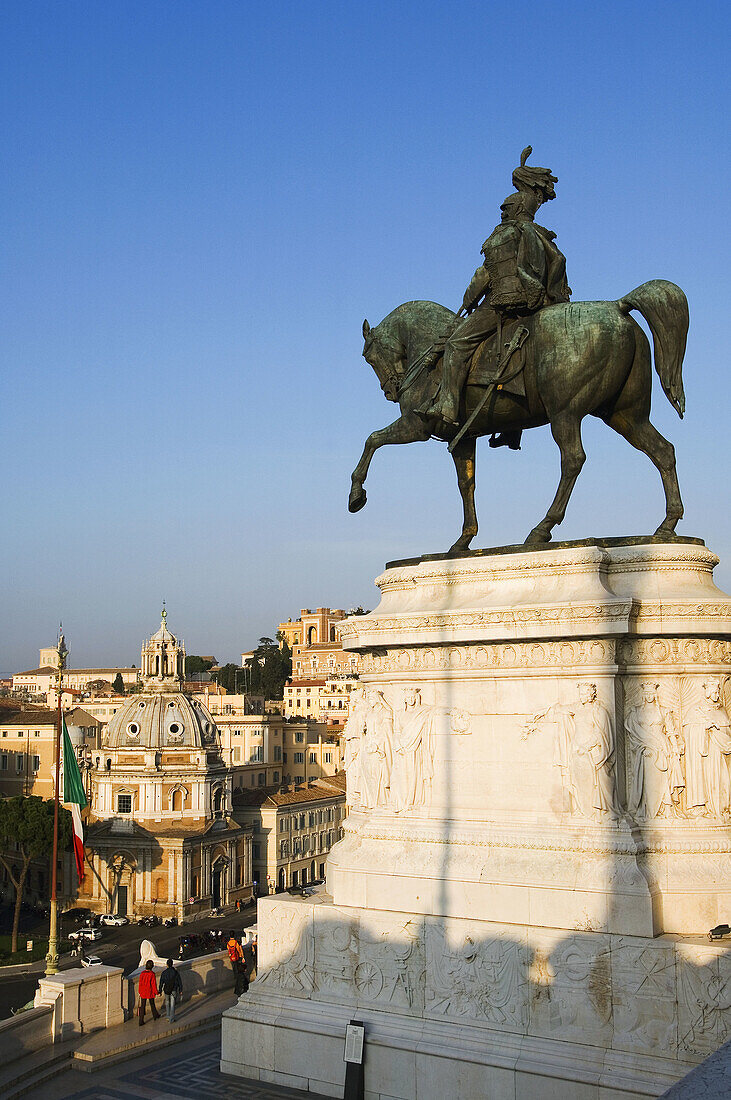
(488, 366)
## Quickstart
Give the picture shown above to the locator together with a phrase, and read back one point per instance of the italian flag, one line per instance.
(74, 798)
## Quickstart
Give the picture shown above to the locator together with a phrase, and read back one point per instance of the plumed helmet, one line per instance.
(539, 181)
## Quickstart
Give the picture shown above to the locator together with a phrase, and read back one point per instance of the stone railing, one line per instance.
(26, 1033)
(78, 1001)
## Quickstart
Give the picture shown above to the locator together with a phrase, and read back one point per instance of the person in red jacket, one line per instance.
(148, 991)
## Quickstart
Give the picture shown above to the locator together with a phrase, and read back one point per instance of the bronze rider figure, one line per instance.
(523, 271)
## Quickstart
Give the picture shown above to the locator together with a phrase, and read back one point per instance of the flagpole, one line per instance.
(52, 956)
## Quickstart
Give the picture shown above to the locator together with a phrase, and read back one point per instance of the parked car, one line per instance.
(92, 934)
(113, 919)
(91, 960)
(76, 916)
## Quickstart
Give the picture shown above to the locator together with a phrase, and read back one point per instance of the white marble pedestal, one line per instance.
(538, 839)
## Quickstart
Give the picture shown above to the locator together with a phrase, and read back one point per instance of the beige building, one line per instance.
(315, 644)
(27, 752)
(38, 682)
(294, 829)
(161, 839)
(326, 700)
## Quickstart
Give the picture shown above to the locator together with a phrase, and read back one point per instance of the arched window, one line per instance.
(157, 665)
(311, 635)
(333, 635)
(177, 798)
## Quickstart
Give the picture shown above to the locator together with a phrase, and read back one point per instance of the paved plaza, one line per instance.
(187, 1069)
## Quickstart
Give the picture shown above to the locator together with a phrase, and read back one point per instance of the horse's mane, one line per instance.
(429, 317)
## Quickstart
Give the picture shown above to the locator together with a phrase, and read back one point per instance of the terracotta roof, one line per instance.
(276, 796)
(37, 671)
(306, 683)
(38, 717)
(80, 717)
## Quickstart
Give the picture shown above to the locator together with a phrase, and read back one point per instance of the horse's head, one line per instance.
(385, 353)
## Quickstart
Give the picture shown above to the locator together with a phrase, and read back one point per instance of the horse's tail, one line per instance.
(665, 308)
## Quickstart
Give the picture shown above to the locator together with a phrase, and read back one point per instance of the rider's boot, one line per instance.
(445, 404)
(506, 439)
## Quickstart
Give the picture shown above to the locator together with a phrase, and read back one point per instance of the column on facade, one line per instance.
(182, 886)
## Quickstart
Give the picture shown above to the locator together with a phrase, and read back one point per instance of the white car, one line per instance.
(91, 960)
(92, 934)
(113, 919)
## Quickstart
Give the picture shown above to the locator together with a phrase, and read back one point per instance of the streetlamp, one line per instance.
(52, 956)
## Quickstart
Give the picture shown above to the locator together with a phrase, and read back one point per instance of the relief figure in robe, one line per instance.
(376, 752)
(656, 778)
(413, 767)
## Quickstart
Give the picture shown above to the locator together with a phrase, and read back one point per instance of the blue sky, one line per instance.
(201, 203)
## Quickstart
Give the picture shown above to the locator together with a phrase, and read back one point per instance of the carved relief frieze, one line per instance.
(645, 1016)
(500, 655)
(673, 651)
(287, 959)
(583, 753)
(476, 977)
(678, 740)
(571, 994)
(704, 1001)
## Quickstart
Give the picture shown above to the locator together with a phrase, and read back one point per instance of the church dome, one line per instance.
(157, 720)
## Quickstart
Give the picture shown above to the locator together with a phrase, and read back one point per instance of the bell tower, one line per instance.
(163, 659)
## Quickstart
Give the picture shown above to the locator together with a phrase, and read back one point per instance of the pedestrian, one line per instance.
(171, 986)
(236, 955)
(253, 951)
(148, 991)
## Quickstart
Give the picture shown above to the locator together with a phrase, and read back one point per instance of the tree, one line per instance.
(271, 667)
(226, 676)
(26, 834)
(194, 665)
(118, 685)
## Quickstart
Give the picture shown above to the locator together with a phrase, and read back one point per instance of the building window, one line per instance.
(299, 758)
(328, 757)
(277, 752)
(262, 779)
(313, 758)
(310, 819)
(299, 779)
(124, 803)
(4, 762)
(276, 777)
(36, 763)
(283, 824)
(256, 851)
(19, 763)
(299, 737)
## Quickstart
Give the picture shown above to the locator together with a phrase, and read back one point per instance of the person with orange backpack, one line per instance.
(238, 965)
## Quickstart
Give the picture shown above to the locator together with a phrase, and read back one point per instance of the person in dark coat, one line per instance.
(171, 986)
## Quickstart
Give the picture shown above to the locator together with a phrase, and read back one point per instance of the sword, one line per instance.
(517, 341)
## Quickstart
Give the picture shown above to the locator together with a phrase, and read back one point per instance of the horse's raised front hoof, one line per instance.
(666, 531)
(356, 500)
(539, 536)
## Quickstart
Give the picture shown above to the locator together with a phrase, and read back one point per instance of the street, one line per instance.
(118, 947)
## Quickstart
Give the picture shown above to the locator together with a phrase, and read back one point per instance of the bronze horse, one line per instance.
(584, 358)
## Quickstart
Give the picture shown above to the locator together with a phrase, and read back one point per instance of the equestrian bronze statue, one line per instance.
(524, 356)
